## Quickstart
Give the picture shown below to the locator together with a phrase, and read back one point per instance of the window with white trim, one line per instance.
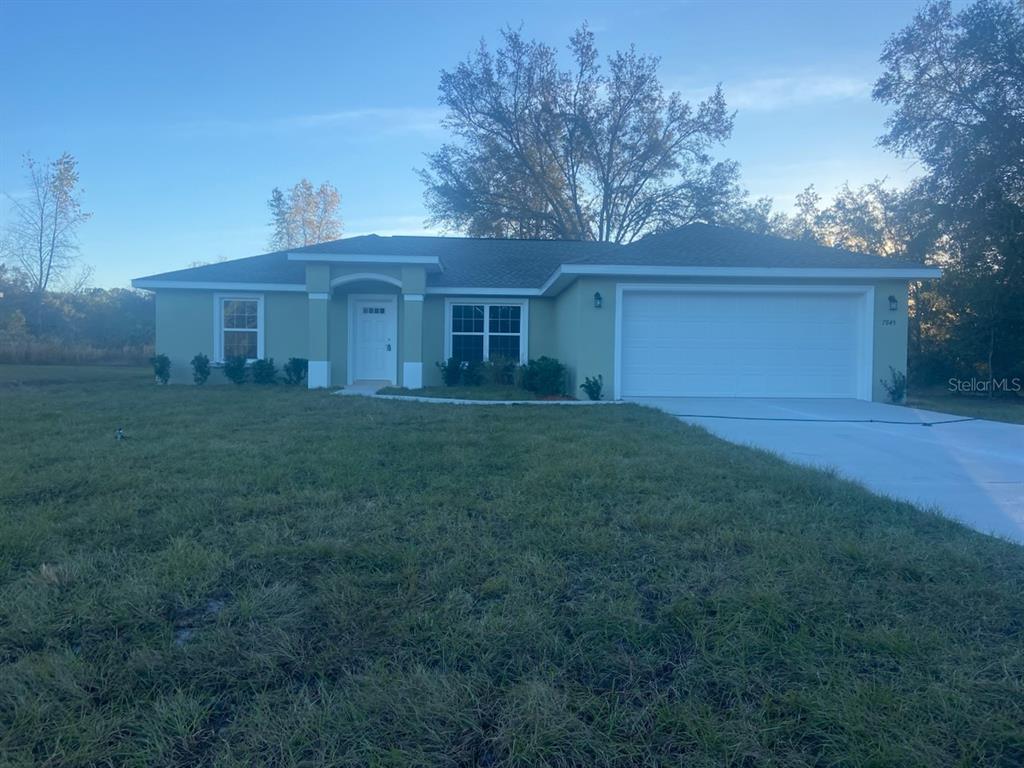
(484, 331)
(239, 327)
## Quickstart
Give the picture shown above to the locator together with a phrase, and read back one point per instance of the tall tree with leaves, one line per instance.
(580, 153)
(956, 81)
(43, 238)
(304, 215)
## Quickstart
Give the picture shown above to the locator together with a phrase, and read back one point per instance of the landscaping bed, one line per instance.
(463, 393)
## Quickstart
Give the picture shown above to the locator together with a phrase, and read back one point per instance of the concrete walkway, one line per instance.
(969, 469)
(364, 388)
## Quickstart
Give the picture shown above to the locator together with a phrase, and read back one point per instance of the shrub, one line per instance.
(200, 368)
(500, 372)
(895, 386)
(235, 369)
(161, 367)
(593, 386)
(264, 371)
(473, 373)
(544, 376)
(470, 374)
(451, 372)
(295, 370)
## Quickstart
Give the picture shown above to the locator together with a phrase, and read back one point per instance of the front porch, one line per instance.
(365, 320)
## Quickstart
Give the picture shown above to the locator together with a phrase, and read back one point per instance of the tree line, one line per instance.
(598, 150)
(48, 312)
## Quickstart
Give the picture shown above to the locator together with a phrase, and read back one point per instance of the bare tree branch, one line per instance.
(304, 216)
(43, 239)
(574, 154)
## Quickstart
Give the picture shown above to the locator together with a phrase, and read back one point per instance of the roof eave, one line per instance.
(152, 284)
(566, 273)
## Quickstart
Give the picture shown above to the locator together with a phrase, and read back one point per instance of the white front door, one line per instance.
(375, 339)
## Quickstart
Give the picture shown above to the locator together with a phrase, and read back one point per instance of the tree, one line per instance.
(805, 224)
(573, 154)
(956, 81)
(304, 215)
(758, 217)
(43, 239)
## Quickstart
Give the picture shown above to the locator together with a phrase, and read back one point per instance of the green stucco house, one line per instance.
(696, 311)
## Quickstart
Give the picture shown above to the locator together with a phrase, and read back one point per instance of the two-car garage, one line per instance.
(744, 341)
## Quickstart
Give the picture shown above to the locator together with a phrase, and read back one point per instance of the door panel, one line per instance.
(375, 340)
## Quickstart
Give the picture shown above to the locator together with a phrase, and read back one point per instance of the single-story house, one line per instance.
(696, 311)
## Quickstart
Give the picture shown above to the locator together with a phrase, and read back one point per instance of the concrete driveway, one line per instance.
(971, 470)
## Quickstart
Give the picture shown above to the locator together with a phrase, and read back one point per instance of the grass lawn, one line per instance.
(1006, 408)
(464, 393)
(16, 375)
(282, 577)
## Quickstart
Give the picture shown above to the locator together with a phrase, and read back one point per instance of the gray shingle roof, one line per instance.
(265, 268)
(476, 262)
(498, 263)
(706, 245)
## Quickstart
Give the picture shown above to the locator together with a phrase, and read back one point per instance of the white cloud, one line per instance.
(767, 94)
(772, 93)
(389, 121)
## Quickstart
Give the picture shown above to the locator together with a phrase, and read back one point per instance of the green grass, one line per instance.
(465, 393)
(1009, 408)
(16, 375)
(279, 577)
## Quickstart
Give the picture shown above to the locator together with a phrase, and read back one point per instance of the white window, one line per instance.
(238, 326)
(478, 330)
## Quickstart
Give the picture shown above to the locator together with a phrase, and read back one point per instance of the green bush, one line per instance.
(264, 371)
(500, 372)
(593, 386)
(451, 372)
(161, 367)
(295, 370)
(895, 386)
(235, 369)
(472, 373)
(200, 368)
(544, 376)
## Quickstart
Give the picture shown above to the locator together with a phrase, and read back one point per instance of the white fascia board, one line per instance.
(440, 290)
(213, 286)
(635, 270)
(365, 258)
(552, 280)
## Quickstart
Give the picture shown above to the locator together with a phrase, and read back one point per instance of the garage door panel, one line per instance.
(742, 344)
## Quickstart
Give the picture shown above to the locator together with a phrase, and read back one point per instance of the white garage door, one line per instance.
(742, 344)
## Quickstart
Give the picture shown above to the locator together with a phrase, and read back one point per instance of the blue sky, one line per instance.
(184, 116)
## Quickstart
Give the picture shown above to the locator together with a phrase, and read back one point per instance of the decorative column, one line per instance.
(413, 288)
(318, 287)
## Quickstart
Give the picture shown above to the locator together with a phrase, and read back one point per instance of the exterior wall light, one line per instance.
(598, 300)
(893, 304)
